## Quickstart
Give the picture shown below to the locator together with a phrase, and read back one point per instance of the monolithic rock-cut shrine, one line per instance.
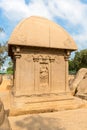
(40, 50)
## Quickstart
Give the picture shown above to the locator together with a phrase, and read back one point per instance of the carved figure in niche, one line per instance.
(44, 75)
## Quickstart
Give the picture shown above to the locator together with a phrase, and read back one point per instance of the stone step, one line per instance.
(49, 106)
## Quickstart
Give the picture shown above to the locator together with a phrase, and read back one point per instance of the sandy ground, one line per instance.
(62, 120)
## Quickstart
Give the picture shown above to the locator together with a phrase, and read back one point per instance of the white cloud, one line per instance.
(81, 40)
(39, 8)
(15, 10)
(67, 9)
(73, 11)
(2, 36)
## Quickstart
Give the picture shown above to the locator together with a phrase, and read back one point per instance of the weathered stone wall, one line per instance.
(40, 71)
(4, 123)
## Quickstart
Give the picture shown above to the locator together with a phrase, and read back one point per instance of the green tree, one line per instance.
(10, 68)
(79, 61)
(3, 51)
(4, 56)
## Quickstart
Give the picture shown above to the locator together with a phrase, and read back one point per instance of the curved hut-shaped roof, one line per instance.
(41, 32)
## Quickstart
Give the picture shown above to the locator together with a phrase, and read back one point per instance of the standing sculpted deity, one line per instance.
(44, 75)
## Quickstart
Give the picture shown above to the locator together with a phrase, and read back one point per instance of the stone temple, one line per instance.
(40, 50)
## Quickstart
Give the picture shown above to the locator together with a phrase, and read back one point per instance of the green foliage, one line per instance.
(10, 68)
(3, 54)
(3, 51)
(79, 61)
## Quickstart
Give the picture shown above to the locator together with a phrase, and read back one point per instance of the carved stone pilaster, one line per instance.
(16, 52)
(16, 55)
(66, 57)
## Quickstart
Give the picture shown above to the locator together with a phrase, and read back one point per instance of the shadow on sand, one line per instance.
(37, 122)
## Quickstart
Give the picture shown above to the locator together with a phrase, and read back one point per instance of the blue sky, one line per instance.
(70, 14)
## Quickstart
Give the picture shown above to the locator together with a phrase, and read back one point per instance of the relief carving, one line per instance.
(44, 75)
(42, 58)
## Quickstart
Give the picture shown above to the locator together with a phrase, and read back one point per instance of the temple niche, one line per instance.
(40, 50)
